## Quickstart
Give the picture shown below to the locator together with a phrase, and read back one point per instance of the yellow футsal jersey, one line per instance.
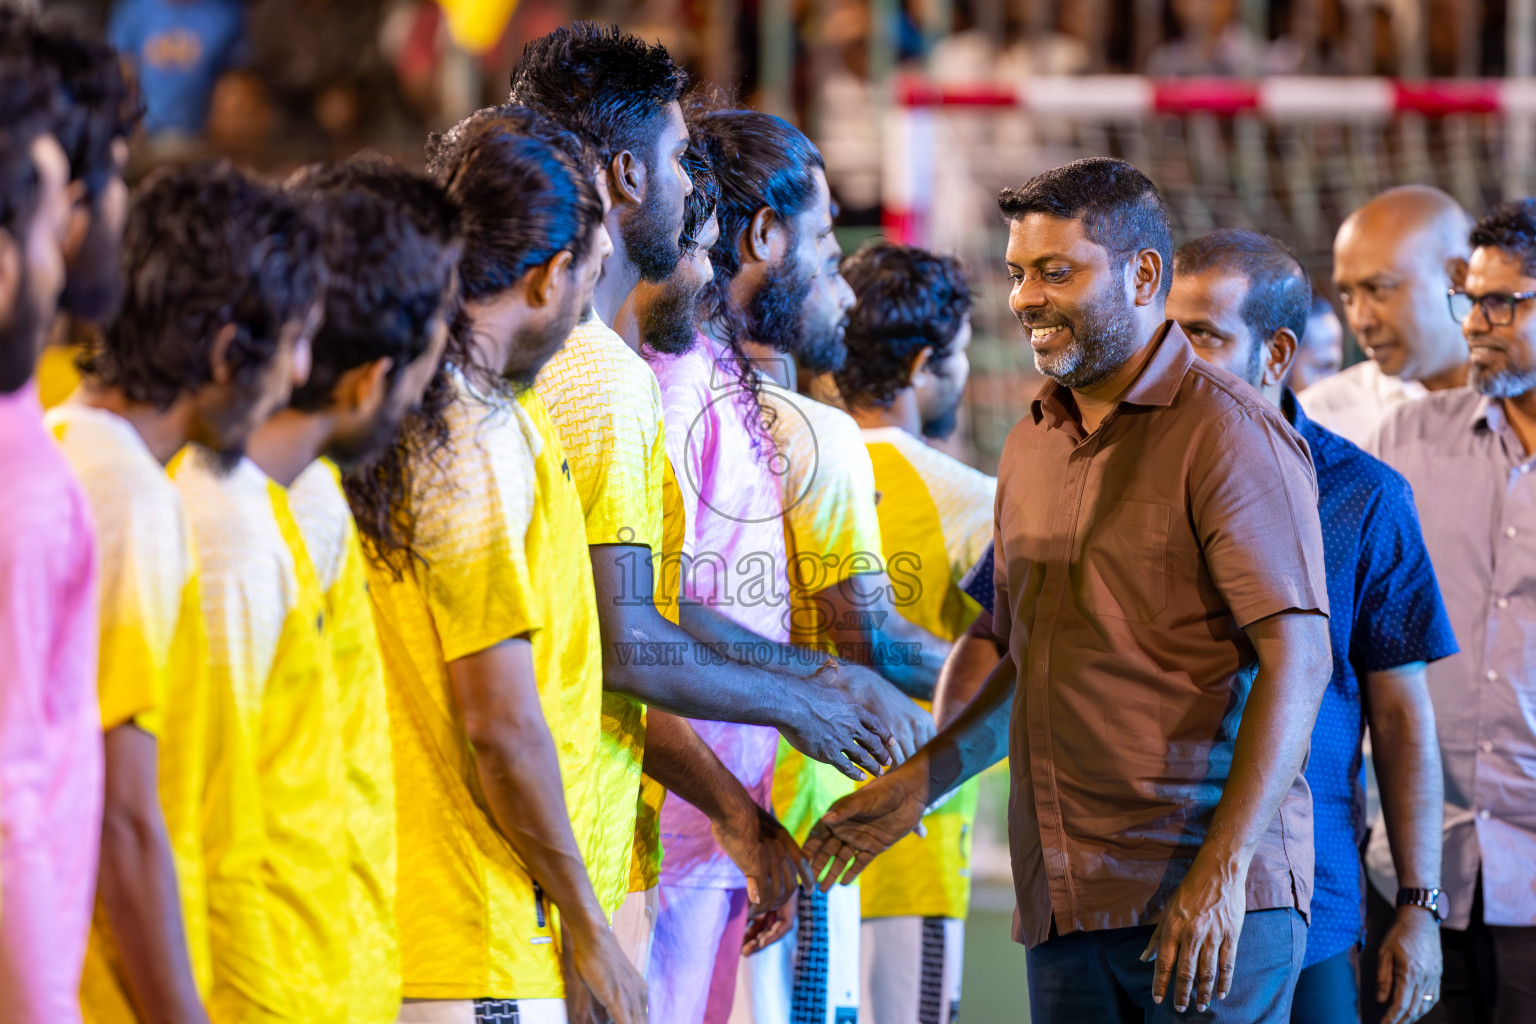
(935, 522)
(606, 405)
(501, 556)
(831, 531)
(320, 508)
(151, 662)
(275, 814)
(56, 374)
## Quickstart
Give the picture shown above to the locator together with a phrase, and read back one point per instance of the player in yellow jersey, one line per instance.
(391, 247)
(902, 382)
(229, 267)
(621, 95)
(96, 110)
(487, 621)
(165, 375)
(778, 296)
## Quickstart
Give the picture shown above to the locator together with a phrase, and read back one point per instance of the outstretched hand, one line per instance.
(863, 825)
(833, 726)
(909, 725)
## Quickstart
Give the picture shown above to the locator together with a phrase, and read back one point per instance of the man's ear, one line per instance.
(757, 241)
(626, 178)
(363, 388)
(1279, 354)
(919, 363)
(79, 225)
(10, 272)
(219, 367)
(546, 282)
(1149, 276)
(1456, 270)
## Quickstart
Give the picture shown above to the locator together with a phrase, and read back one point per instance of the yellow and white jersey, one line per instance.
(501, 558)
(151, 660)
(606, 405)
(935, 522)
(330, 536)
(831, 532)
(274, 817)
(57, 377)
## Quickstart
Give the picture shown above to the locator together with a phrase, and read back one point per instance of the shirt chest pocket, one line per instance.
(1125, 561)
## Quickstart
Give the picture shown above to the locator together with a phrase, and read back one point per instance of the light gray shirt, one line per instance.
(1476, 496)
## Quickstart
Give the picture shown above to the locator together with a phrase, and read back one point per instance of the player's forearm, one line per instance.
(1276, 729)
(971, 659)
(520, 776)
(976, 738)
(138, 885)
(654, 661)
(708, 626)
(677, 758)
(1407, 755)
(866, 627)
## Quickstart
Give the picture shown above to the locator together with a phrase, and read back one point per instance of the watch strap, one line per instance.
(1429, 899)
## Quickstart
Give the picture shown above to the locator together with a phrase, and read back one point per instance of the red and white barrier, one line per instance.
(910, 137)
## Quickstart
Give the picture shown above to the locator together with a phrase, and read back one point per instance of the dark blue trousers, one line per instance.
(1098, 977)
(1328, 993)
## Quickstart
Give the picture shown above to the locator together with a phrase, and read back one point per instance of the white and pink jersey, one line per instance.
(734, 561)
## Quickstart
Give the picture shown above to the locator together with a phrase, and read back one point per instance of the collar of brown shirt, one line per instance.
(1132, 558)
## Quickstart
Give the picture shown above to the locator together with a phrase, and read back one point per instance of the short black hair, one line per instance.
(702, 201)
(1119, 206)
(1510, 226)
(523, 194)
(606, 85)
(1279, 290)
(96, 102)
(206, 247)
(391, 246)
(908, 299)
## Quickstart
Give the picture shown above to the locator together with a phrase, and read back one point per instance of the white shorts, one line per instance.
(634, 925)
(811, 976)
(482, 1011)
(696, 956)
(910, 970)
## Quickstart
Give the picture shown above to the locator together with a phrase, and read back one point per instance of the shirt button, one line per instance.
(1502, 602)
(1490, 675)
(1486, 746)
(1483, 814)
(1511, 532)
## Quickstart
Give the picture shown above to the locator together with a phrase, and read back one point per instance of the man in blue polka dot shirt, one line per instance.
(1242, 298)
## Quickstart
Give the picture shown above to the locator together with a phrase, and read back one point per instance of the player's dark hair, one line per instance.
(606, 85)
(1119, 206)
(1510, 226)
(391, 247)
(1279, 290)
(206, 247)
(28, 98)
(523, 198)
(702, 201)
(908, 299)
(96, 102)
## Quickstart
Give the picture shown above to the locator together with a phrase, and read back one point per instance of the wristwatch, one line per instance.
(1429, 899)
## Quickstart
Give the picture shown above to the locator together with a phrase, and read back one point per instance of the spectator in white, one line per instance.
(1393, 260)
(1467, 453)
(1212, 40)
(1320, 353)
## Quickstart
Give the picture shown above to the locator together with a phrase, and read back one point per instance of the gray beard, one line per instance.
(1080, 366)
(1501, 383)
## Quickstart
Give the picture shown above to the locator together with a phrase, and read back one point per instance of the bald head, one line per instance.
(1394, 259)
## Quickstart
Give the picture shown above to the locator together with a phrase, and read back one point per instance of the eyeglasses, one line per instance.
(1498, 308)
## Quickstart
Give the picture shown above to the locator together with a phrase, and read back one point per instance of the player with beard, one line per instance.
(621, 96)
(391, 249)
(1183, 531)
(50, 729)
(776, 296)
(902, 382)
(488, 623)
(224, 298)
(96, 111)
(163, 376)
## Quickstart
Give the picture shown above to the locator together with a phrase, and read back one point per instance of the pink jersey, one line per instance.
(734, 560)
(50, 722)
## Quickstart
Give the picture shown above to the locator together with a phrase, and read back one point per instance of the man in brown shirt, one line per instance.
(1161, 587)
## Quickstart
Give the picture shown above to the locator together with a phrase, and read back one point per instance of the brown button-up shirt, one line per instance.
(1128, 562)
